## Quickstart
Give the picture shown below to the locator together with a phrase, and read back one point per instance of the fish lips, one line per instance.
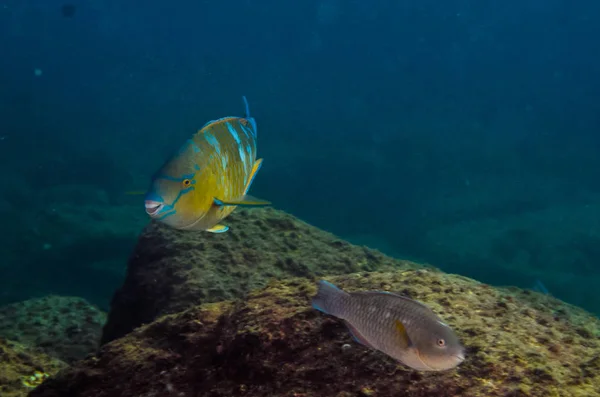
(451, 361)
(153, 207)
(459, 358)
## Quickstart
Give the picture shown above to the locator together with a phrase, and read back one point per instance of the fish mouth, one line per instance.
(153, 207)
(456, 359)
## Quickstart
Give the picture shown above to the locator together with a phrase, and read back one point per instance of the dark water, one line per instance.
(462, 133)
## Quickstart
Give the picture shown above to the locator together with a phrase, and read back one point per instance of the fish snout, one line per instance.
(153, 207)
(460, 357)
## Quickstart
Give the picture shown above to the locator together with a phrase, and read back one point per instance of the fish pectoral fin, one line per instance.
(405, 341)
(244, 201)
(218, 229)
(358, 336)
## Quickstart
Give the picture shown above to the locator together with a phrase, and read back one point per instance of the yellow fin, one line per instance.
(253, 172)
(218, 229)
(244, 201)
(404, 339)
(135, 192)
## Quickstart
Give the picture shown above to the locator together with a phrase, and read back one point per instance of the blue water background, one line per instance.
(462, 133)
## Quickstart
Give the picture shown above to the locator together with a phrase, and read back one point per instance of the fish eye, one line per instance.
(441, 342)
(186, 182)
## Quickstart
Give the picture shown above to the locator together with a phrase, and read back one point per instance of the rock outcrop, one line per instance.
(273, 343)
(23, 368)
(67, 328)
(172, 270)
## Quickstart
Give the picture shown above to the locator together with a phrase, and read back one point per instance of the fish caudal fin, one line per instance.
(218, 229)
(248, 117)
(246, 106)
(329, 298)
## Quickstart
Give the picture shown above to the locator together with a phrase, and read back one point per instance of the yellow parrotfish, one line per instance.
(208, 177)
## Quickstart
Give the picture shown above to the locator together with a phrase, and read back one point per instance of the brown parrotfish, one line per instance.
(398, 326)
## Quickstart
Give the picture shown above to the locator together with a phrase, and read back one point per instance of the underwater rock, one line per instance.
(274, 344)
(67, 328)
(22, 368)
(171, 270)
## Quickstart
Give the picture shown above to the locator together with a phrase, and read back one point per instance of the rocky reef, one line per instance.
(23, 368)
(273, 343)
(67, 328)
(172, 270)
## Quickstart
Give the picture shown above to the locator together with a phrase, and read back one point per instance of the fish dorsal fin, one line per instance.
(217, 121)
(404, 298)
(207, 123)
(405, 341)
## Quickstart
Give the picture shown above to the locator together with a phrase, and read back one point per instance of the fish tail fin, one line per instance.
(246, 105)
(540, 287)
(329, 298)
(248, 117)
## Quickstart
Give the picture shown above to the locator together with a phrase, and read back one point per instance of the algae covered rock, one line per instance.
(22, 368)
(67, 328)
(274, 344)
(171, 270)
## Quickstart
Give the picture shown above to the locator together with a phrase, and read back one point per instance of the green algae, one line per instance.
(67, 328)
(22, 368)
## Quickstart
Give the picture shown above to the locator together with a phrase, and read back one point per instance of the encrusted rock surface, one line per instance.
(172, 270)
(68, 328)
(274, 344)
(23, 368)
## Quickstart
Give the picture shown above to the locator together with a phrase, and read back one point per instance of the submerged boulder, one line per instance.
(172, 270)
(67, 328)
(518, 343)
(23, 368)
